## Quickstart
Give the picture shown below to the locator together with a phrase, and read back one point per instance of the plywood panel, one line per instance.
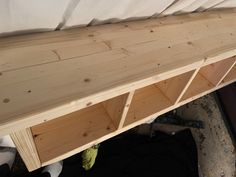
(71, 131)
(231, 75)
(216, 71)
(199, 85)
(173, 87)
(146, 101)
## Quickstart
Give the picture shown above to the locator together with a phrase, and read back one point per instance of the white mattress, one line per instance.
(34, 15)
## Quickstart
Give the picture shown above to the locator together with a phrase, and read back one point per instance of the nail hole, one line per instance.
(189, 43)
(87, 80)
(158, 64)
(108, 128)
(29, 91)
(89, 103)
(85, 134)
(0, 73)
(6, 100)
(151, 31)
(169, 47)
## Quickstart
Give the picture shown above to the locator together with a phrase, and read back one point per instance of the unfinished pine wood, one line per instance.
(198, 85)
(95, 64)
(126, 109)
(59, 136)
(173, 87)
(79, 87)
(115, 108)
(26, 147)
(215, 72)
(147, 101)
(231, 75)
(195, 72)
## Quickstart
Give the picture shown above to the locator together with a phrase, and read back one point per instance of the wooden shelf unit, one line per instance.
(65, 91)
(209, 77)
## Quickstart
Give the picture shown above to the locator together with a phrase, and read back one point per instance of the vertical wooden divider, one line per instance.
(25, 145)
(230, 69)
(216, 72)
(126, 109)
(187, 85)
(173, 87)
(117, 108)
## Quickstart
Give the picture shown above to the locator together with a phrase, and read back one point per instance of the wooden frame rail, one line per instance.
(62, 92)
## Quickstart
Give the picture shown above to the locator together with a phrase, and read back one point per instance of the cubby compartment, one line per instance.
(152, 99)
(231, 76)
(67, 133)
(208, 77)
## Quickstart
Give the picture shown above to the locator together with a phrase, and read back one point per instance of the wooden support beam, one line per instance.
(25, 145)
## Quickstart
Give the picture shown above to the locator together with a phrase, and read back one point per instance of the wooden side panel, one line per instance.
(115, 108)
(26, 147)
(194, 73)
(57, 137)
(146, 101)
(215, 72)
(199, 85)
(173, 87)
(231, 75)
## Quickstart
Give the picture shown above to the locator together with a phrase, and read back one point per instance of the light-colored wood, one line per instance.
(173, 87)
(146, 101)
(115, 108)
(231, 75)
(59, 136)
(126, 109)
(25, 146)
(79, 87)
(198, 85)
(99, 63)
(215, 72)
(132, 125)
(187, 85)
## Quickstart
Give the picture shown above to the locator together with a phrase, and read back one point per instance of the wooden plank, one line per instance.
(115, 108)
(231, 75)
(187, 85)
(16, 59)
(126, 109)
(198, 85)
(141, 54)
(216, 71)
(59, 136)
(146, 101)
(24, 142)
(173, 87)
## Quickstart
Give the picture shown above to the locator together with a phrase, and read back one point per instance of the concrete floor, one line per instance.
(215, 148)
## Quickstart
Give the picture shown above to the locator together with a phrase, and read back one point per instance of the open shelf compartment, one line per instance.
(67, 133)
(231, 76)
(157, 97)
(208, 77)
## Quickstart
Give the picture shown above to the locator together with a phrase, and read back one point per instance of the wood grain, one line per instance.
(25, 146)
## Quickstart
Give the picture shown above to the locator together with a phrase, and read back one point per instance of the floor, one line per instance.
(215, 148)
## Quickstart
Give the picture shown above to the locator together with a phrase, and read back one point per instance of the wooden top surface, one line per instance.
(47, 75)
